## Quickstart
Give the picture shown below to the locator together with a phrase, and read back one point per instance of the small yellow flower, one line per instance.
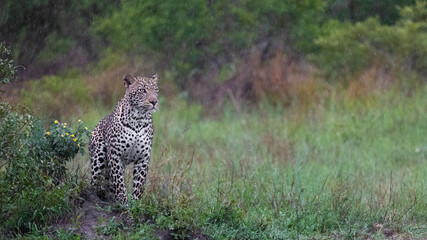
(72, 135)
(66, 134)
(56, 121)
(93, 133)
(78, 144)
(79, 120)
(75, 139)
(85, 128)
(65, 124)
(48, 133)
(62, 135)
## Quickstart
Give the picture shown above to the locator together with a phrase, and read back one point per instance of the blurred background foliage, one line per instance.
(188, 39)
(197, 34)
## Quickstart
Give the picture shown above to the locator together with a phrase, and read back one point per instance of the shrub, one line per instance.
(34, 184)
(58, 144)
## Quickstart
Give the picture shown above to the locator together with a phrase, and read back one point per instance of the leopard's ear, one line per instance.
(128, 80)
(154, 77)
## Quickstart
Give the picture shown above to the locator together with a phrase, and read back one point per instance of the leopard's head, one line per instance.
(142, 92)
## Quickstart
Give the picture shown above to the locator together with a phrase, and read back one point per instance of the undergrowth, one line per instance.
(35, 186)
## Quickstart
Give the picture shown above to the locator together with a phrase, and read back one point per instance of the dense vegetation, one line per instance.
(191, 37)
(319, 129)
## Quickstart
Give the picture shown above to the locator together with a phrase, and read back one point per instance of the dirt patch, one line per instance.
(92, 216)
(89, 212)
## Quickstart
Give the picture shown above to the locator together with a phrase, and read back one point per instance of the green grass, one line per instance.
(348, 169)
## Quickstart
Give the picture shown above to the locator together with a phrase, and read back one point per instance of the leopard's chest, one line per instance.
(137, 147)
(132, 141)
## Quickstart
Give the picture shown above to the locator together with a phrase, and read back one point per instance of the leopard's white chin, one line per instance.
(152, 108)
(147, 109)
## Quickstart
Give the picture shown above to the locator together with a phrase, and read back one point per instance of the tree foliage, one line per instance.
(347, 49)
(190, 35)
(42, 30)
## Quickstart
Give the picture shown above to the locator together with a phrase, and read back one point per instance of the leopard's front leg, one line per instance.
(117, 175)
(140, 171)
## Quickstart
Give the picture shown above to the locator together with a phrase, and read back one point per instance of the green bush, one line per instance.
(59, 144)
(34, 184)
(346, 49)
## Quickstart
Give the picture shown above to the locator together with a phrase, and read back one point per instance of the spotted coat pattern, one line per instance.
(125, 136)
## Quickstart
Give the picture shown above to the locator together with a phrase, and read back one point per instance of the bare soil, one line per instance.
(90, 212)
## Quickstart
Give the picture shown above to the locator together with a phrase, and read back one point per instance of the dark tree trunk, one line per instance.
(351, 10)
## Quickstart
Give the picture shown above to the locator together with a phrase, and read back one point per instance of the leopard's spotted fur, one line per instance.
(125, 136)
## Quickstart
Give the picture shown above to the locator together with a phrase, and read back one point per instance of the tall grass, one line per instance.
(348, 169)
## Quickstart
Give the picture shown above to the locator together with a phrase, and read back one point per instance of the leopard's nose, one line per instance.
(153, 101)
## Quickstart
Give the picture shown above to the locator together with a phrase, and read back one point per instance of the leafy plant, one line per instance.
(58, 144)
(62, 235)
(111, 227)
(34, 184)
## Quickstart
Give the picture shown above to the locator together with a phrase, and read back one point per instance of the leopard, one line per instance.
(123, 137)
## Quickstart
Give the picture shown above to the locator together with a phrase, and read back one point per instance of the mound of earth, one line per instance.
(91, 213)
